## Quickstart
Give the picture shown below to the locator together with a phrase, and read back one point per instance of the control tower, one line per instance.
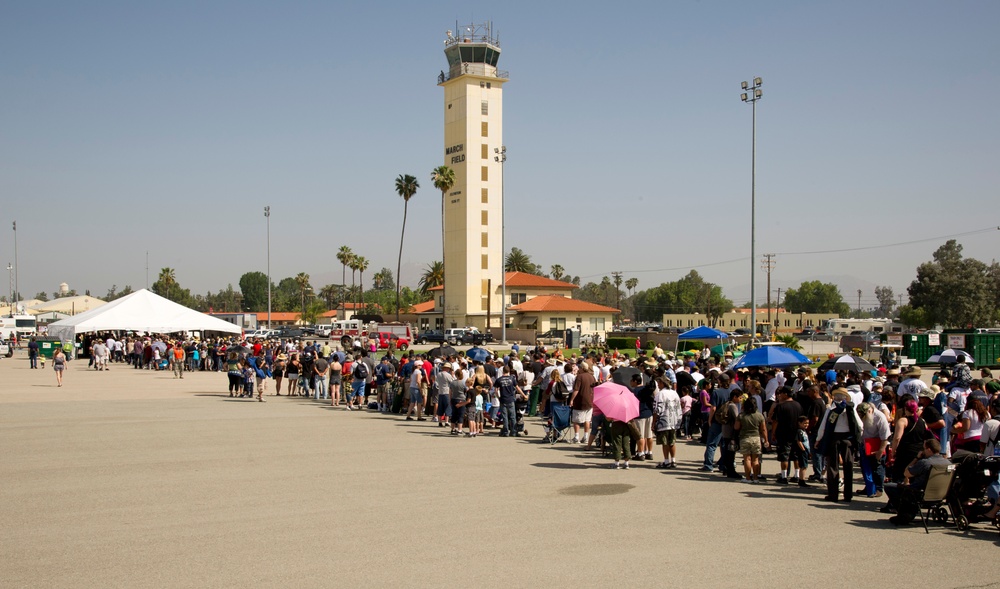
(473, 130)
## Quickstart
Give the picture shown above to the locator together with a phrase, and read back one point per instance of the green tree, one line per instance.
(329, 294)
(406, 187)
(253, 286)
(954, 291)
(42, 296)
(886, 300)
(362, 266)
(690, 294)
(557, 272)
(313, 311)
(816, 297)
(384, 280)
(344, 256)
(433, 276)
(285, 296)
(167, 287)
(518, 261)
(302, 281)
(790, 341)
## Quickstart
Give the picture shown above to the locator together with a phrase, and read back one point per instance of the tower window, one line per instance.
(486, 239)
(486, 217)
(486, 129)
(486, 262)
(486, 152)
(486, 174)
(486, 196)
(486, 107)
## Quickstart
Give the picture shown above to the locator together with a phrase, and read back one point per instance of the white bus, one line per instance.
(23, 325)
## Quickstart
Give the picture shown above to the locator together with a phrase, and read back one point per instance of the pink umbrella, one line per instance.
(616, 401)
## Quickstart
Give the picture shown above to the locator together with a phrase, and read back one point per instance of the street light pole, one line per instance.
(10, 286)
(267, 217)
(501, 157)
(752, 94)
(16, 291)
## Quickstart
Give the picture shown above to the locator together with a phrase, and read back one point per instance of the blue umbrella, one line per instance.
(777, 356)
(478, 354)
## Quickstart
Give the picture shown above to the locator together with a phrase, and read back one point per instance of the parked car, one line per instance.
(323, 330)
(552, 336)
(293, 333)
(454, 335)
(431, 336)
(475, 337)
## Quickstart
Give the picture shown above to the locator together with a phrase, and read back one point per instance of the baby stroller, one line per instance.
(559, 423)
(521, 409)
(974, 473)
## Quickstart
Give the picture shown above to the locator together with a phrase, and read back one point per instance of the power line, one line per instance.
(835, 251)
(874, 247)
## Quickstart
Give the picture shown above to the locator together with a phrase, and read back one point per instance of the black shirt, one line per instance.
(786, 417)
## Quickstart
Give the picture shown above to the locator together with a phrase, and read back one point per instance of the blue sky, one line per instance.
(129, 127)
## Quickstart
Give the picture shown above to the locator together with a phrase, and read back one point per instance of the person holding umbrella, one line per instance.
(619, 407)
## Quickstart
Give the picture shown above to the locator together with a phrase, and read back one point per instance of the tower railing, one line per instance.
(475, 69)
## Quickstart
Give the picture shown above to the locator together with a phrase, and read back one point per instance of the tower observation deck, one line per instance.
(474, 50)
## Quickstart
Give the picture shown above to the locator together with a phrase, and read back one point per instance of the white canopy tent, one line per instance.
(140, 311)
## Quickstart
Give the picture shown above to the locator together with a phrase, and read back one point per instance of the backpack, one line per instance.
(360, 371)
(722, 416)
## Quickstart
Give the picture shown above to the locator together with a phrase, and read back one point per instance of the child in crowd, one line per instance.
(476, 424)
(802, 453)
(249, 374)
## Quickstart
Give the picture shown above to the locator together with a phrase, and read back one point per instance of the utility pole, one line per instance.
(767, 267)
(859, 303)
(618, 293)
(777, 310)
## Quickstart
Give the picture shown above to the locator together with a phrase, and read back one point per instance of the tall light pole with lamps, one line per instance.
(751, 94)
(16, 292)
(267, 217)
(501, 158)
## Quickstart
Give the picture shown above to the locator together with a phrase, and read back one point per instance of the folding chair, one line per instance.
(936, 493)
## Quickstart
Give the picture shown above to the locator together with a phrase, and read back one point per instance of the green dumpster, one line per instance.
(47, 346)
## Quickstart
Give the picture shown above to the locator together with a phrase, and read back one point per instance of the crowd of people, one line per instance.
(891, 424)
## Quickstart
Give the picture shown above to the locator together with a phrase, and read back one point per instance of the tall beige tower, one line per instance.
(473, 131)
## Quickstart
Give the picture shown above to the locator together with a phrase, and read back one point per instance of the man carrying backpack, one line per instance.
(360, 372)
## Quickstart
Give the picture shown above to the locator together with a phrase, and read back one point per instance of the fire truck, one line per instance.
(351, 332)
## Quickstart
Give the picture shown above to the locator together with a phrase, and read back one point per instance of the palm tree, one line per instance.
(302, 280)
(362, 266)
(518, 261)
(406, 187)
(353, 265)
(328, 293)
(630, 284)
(168, 277)
(344, 255)
(433, 276)
(557, 272)
(444, 179)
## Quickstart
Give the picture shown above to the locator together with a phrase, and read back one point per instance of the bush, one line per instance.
(651, 344)
(693, 344)
(621, 343)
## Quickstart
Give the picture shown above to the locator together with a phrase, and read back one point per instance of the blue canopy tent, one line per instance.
(775, 356)
(701, 333)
